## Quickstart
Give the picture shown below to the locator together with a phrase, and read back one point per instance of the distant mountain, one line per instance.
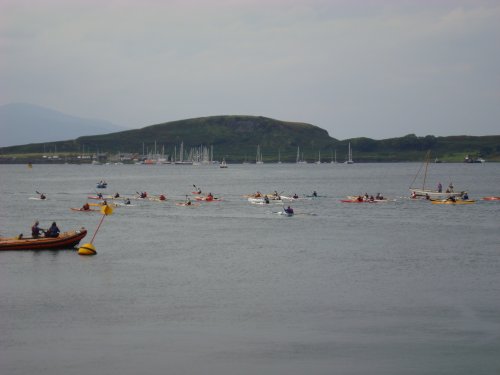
(22, 123)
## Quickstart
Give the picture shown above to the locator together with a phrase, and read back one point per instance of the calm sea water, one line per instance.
(228, 287)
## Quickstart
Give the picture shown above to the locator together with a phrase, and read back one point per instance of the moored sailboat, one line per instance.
(349, 156)
(429, 193)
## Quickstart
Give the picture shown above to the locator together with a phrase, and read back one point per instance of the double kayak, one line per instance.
(207, 199)
(458, 201)
(65, 240)
(364, 201)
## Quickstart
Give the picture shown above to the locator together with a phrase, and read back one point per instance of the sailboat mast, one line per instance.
(426, 165)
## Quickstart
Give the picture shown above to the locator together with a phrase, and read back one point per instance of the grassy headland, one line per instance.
(235, 138)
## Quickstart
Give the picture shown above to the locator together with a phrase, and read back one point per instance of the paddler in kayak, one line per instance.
(85, 207)
(289, 210)
(116, 195)
(162, 197)
(42, 196)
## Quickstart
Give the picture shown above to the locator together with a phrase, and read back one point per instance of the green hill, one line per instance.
(236, 138)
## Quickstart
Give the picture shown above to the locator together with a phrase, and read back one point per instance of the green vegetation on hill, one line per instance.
(236, 138)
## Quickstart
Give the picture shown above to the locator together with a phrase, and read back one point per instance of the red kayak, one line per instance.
(490, 198)
(207, 199)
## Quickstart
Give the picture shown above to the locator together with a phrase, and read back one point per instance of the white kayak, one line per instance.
(262, 201)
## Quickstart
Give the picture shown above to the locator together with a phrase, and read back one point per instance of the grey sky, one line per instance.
(377, 69)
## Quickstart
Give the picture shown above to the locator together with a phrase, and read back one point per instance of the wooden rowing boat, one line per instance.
(65, 240)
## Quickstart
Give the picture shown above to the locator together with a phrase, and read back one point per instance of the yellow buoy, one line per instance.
(106, 210)
(87, 249)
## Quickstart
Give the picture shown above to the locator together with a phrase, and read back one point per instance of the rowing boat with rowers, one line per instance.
(65, 240)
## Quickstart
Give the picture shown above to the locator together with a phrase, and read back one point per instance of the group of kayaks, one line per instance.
(71, 238)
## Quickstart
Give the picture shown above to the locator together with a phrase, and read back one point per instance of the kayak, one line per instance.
(38, 198)
(284, 197)
(184, 204)
(123, 205)
(490, 198)
(363, 201)
(82, 210)
(453, 202)
(102, 204)
(65, 240)
(207, 199)
(262, 201)
(107, 197)
(258, 201)
(284, 213)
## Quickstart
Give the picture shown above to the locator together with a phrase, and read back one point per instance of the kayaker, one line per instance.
(42, 196)
(289, 210)
(465, 196)
(295, 196)
(99, 195)
(315, 194)
(144, 195)
(117, 195)
(188, 202)
(440, 188)
(53, 231)
(162, 197)
(86, 207)
(127, 201)
(36, 231)
(266, 199)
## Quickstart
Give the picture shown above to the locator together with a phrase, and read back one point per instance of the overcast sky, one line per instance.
(373, 68)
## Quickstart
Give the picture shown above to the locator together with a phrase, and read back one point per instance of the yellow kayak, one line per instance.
(458, 201)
